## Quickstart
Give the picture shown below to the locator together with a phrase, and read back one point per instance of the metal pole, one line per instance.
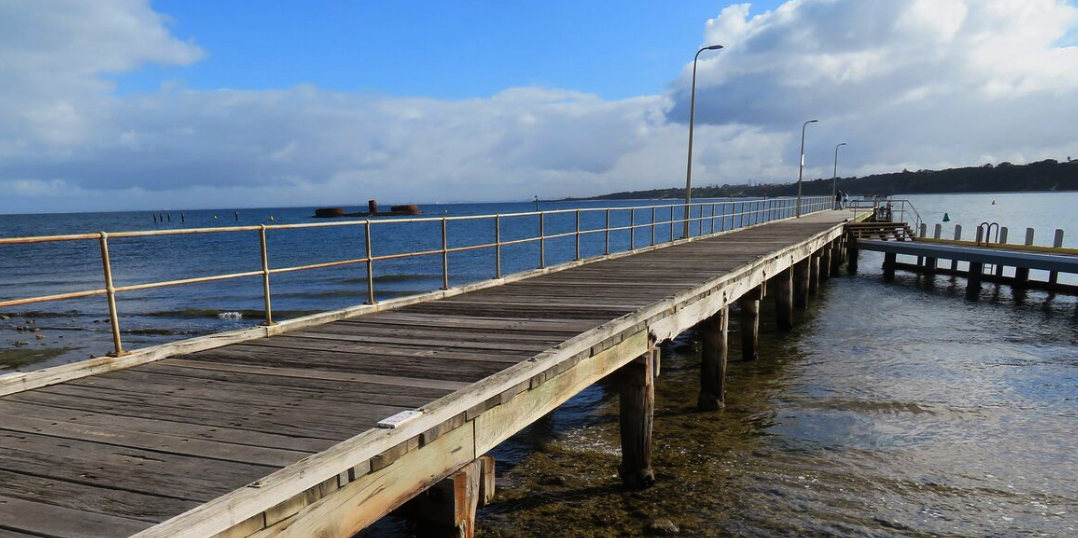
(606, 250)
(632, 228)
(801, 166)
(445, 254)
(692, 117)
(265, 276)
(542, 240)
(577, 258)
(652, 225)
(110, 293)
(497, 246)
(370, 261)
(834, 177)
(671, 224)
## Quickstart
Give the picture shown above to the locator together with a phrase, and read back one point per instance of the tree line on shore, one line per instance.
(1046, 175)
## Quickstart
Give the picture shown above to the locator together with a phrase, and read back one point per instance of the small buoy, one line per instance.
(946, 218)
(215, 217)
(272, 218)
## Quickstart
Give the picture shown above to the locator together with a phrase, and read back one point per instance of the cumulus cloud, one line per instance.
(926, 83)
(919, 84)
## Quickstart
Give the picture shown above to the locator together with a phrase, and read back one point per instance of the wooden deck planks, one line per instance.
(51, 520)
(141, 444)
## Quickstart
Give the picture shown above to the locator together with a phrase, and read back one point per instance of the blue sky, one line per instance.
(134, 104)
(447, 50)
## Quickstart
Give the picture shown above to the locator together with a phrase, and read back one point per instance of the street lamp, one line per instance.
(692, 114)
(801, 168)
(834, 176)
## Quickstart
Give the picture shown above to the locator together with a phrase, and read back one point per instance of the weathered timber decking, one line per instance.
(212, 441)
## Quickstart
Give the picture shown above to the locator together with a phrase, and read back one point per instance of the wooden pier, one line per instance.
(985, 260)
(321, 426)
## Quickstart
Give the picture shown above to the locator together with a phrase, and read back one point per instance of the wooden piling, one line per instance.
(836, 256)
(814, 274)
(1057, 242)
(784, 305)
(976, 274)
(825, 263)
(889, 259)
(750, 323)
(448, 507)
(851, 256)
(932, 263)
(957, 237)
(713, 362)
(636, 400)
(801, 283)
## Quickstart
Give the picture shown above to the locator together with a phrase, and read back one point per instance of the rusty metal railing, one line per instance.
(714, 217)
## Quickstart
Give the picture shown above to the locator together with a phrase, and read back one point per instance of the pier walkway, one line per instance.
(288, 434)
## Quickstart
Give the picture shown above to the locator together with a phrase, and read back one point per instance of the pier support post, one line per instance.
(825, 263)
(636, 400)
(750, 323)
(851, 256)
(814, 274)
(784, 299)
(713, 362)
(1021, 277)
(836, 256)
(801, 283)
(448, 507)
(976, 273)
(889, 260)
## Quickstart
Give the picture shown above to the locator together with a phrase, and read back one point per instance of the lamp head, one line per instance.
(714, 47)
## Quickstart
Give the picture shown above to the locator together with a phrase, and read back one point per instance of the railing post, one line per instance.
(671, 224)
(445, 253)
(265, 276)
(606, 250)
(652, 225)
(370, 261)
(632, 228)
(542, 239)
(577, 258)
(711, 224)
(110, 293)
(497, 246)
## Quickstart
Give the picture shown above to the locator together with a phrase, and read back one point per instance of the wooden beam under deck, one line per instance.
(276, 435)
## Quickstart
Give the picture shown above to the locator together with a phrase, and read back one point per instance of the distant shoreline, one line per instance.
(1043, 176)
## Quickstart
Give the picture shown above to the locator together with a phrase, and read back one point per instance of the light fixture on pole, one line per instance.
(801, 168)
(834, 177)
(692, 114)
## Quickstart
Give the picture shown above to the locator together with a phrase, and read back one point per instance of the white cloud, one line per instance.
(933, 82)
(920, 84)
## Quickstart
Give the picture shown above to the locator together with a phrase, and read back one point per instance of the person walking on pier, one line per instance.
(838, 200)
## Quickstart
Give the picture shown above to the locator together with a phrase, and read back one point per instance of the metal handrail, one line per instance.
(741, 214)
(901, 206)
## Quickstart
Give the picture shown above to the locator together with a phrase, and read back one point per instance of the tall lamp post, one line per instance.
(834, 175)
(692, 114)
(801, 168)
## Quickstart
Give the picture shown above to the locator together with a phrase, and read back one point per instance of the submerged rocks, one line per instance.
(661, 527)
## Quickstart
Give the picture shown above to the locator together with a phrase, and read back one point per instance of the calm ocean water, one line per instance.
(893, 409)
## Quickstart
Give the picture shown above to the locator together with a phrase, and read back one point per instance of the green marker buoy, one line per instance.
(946, 218)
